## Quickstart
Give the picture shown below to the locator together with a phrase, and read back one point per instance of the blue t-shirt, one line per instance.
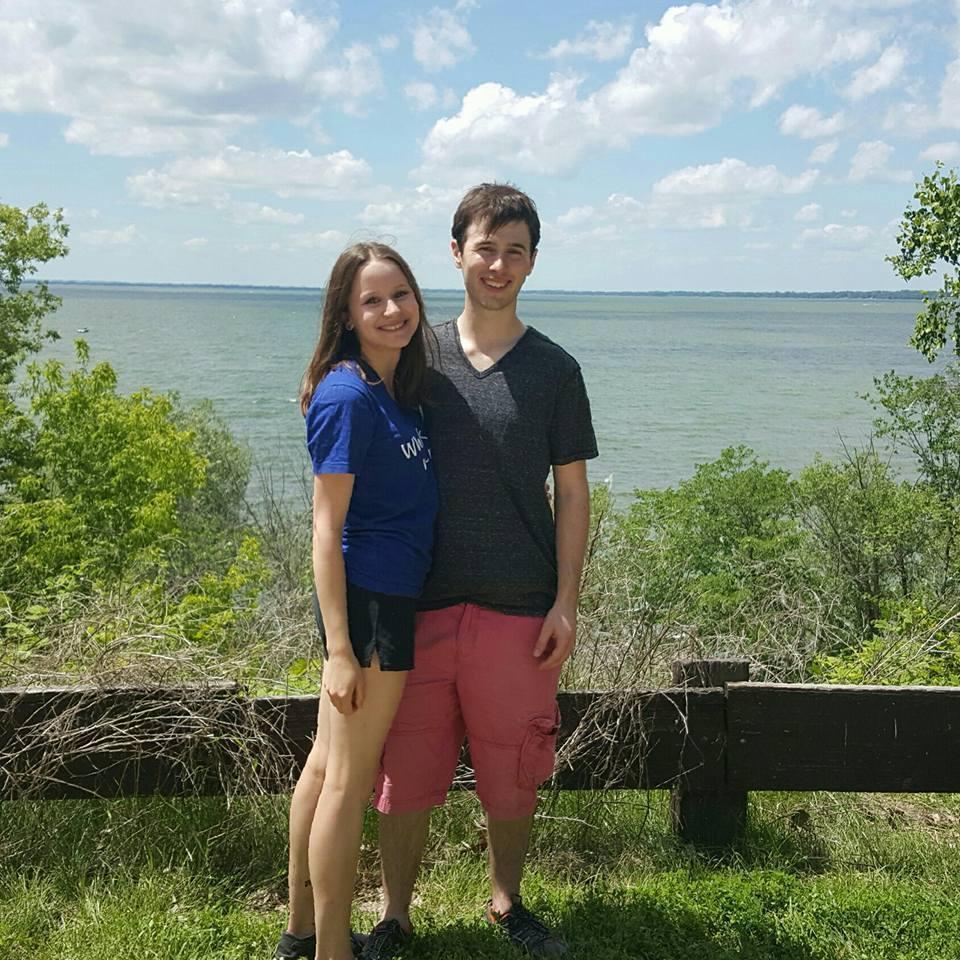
(356, 427)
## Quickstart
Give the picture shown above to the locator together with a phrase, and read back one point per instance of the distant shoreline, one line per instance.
(732, 294)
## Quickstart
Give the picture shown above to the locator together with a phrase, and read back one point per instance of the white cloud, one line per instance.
(809, 213)
(111, 238)
(728, 194)
(389, 42)
(600, 40)
(324, 239)
(577, 216)
(872, 162)
(823, 152)
(421, 206)
(915, 118)
(878, 76)
(910, 119)
(441, 38)
(698, 62)
(424, 95)
(245, 212)
(950, 94)
(355, 76)
(732, 177)
(135, 79)
(287, 173)
(621, 214)
(4, 139)
(539, 134)
(809, 124)
(944, 152)
(195, 243)
(836, 236)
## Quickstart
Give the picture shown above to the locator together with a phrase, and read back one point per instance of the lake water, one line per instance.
(672, 380)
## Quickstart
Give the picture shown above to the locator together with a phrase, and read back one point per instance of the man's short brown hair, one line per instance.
(492, 206)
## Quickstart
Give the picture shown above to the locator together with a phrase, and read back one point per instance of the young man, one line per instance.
(498, 614)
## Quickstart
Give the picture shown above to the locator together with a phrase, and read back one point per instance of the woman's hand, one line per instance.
(343, 682)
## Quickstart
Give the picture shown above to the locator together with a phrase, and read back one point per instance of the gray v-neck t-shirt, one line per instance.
(494, 435)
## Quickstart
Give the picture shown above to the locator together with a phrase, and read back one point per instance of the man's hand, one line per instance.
(343, 682)
(557, 636)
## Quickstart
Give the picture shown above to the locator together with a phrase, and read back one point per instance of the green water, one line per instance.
(672, 380)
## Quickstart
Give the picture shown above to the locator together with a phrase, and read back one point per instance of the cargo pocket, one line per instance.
(539, 749)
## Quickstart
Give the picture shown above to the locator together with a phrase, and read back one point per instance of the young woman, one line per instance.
(374, 502)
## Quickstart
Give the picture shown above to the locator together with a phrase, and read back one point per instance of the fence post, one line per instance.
(709, 818)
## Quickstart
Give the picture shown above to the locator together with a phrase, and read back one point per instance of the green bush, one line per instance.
(912, 645)
(110, 473)
(876, 538)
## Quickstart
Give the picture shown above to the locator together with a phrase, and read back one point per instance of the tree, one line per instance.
(930, 236)
(27, 239)
(923, 415)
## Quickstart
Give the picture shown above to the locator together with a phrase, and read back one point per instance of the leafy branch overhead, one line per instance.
(929, 239)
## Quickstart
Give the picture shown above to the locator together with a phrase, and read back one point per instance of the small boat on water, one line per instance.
(83, 329)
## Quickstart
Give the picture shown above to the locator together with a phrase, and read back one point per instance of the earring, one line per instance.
(349, 325)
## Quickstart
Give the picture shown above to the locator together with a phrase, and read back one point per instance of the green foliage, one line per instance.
(218, 608)
(212, 520)
(710, 541)
(714, 566)
(912, 645)
(809, 576)
(923, 415)
(111, 472)
(27, 238)
(930, 238)
(876, 537)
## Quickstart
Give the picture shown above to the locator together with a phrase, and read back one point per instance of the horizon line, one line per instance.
(906, 293)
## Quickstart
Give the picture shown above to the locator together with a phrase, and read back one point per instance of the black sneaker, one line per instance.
(526, 931)
(291, 947)
(387, 939)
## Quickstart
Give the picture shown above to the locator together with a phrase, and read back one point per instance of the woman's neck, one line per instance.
(384, 365)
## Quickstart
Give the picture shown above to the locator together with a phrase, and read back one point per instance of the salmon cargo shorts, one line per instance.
(475, 676)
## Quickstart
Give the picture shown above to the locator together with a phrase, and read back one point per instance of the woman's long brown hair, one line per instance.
(337, 343)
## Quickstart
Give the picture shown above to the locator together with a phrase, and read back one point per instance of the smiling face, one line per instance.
(495, 264)
(383, 310)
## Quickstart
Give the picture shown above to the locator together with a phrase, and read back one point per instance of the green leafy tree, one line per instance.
(929, 239)
(878, 539)
(111, 474)
(708, 550)
(923, 415)
(28, 238)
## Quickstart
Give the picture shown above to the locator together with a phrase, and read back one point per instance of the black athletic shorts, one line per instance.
(379, 623)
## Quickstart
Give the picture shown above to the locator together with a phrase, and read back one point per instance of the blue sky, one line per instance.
(740, 145)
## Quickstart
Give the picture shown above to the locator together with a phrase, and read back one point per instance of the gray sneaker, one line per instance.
(526, 931)
(386, 940)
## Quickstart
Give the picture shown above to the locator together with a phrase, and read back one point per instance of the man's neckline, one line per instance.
(496, 363)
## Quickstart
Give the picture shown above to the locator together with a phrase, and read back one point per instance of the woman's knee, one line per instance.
(347, 792)
(315, 767)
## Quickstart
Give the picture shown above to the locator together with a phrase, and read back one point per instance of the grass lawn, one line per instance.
(819, 876)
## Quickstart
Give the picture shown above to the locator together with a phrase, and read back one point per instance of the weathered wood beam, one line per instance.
(844, 738)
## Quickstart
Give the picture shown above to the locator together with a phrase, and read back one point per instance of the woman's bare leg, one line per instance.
(303, 805)
(353, 760)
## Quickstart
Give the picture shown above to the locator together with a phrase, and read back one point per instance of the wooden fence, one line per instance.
(710, 739)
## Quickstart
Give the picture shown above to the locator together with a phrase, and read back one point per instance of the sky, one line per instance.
(739, 145)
